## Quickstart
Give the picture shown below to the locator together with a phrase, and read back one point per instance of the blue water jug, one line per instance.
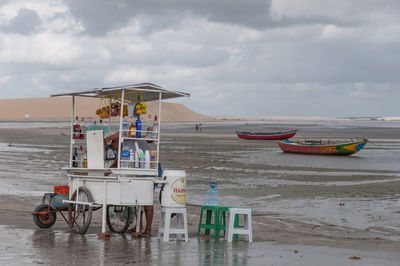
(212, 195)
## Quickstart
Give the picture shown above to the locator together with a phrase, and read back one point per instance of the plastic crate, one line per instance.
(61, 190)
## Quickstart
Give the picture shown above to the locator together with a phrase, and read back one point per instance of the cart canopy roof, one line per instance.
(149, 91)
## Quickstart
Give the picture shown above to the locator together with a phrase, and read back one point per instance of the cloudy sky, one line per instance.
(260, 57)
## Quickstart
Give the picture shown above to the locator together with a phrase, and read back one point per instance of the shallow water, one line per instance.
(27, 169)
(29, 125)
(376, 158)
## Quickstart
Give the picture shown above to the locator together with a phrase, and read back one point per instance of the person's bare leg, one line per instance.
(141, 220)
(149, 211)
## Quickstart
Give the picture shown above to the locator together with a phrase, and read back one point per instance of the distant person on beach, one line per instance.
(197, 127)
(200, 127)
(148, 209)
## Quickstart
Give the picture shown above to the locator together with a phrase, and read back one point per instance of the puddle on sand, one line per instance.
(48, 247)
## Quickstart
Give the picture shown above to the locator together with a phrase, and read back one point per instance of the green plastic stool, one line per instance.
(208, 225)
(222, 221)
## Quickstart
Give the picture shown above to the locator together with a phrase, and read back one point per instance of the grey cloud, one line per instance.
(27, 21)
(100, 17)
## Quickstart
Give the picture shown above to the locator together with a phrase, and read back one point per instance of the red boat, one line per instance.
(266, 136)
(317, 147)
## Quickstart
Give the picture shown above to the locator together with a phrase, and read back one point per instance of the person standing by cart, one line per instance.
(112, 142)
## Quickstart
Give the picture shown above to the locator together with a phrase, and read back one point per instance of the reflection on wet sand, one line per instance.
(54, 247)
(61, 247)
(214, 252)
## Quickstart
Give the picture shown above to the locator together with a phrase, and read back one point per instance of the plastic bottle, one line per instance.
(155, 127)
(75, 158)
(131, 158)
(132, 130)
(84, 160)
(125, 126)
(136, 159)
(212, 195)
(80, 157)
(141, 158)
(136, 146)
(149, 132)
(76, 129)
(83, 129)
(125, 155)
(138, 125)
(146, 159)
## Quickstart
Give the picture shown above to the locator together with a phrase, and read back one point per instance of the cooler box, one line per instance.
(174, 190)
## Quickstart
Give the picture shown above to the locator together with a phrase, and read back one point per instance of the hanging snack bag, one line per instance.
(131, 109)
(114, 109)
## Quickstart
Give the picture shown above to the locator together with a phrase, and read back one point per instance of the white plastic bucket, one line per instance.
(174, 191)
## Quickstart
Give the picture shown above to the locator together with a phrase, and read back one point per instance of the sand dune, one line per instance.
(60, 109)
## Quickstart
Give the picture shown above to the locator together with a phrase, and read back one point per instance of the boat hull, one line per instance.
(334, 149)
(266, 136)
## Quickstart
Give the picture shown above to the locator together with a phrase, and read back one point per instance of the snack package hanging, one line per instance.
(114, 109)
(131, 109)
(103, 112)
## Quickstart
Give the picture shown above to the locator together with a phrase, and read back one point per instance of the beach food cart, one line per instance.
(93, 184)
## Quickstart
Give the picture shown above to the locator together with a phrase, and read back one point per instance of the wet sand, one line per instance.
(325, 208)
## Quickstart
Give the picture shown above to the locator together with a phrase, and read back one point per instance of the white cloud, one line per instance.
(43, 48)
(334, 32)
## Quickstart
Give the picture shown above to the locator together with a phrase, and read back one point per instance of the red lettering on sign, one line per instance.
(179, 190)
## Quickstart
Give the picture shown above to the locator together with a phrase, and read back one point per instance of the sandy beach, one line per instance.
(307, 210)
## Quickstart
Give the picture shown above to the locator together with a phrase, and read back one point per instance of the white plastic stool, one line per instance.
(247, 230)
(165, 223)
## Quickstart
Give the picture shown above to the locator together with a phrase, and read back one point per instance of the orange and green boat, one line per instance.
(317, 147)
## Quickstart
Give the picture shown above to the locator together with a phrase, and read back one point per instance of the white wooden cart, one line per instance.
(115, 190)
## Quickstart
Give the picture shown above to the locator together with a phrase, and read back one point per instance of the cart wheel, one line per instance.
(80, 215)
(47, 218)
(118, 218)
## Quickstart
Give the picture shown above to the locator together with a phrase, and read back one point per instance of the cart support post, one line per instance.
(158, 128)
(109, 115)
(103, 220)
(72, 132)
(120, 127)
